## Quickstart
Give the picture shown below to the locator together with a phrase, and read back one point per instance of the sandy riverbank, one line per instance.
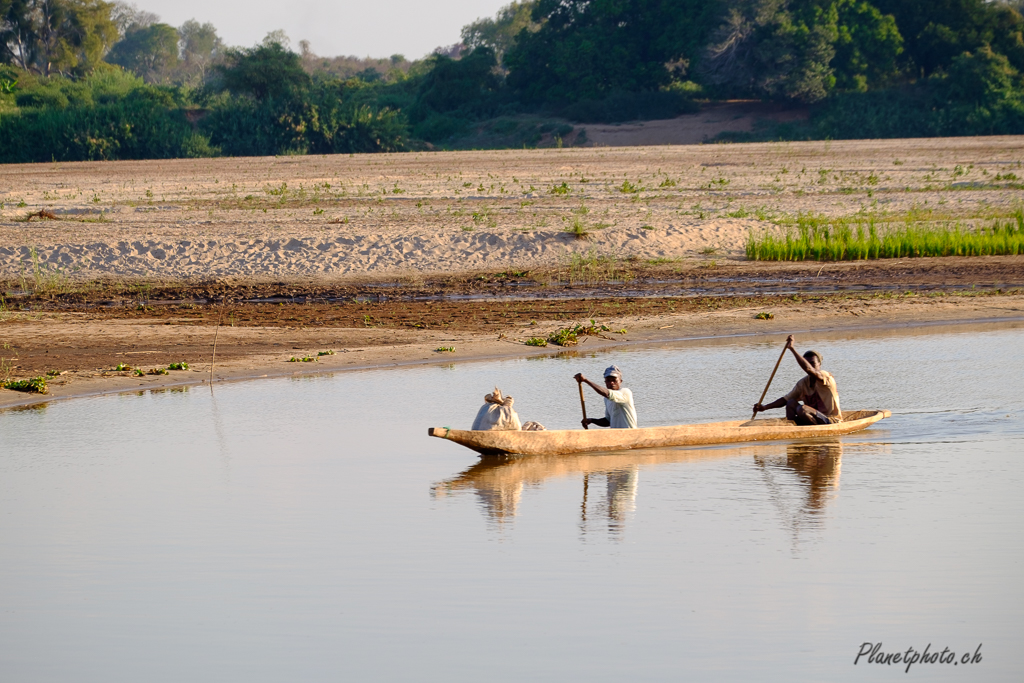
(385, 258)
(389, 215)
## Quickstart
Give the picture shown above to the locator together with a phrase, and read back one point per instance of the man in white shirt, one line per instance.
(619, 412)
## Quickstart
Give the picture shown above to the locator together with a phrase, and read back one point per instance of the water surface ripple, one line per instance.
(307, 529)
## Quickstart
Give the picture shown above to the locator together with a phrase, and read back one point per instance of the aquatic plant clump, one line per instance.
(35, 385)
(178, 366)
(840, 239)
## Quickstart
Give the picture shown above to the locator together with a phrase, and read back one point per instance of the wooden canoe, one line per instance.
(559, 442)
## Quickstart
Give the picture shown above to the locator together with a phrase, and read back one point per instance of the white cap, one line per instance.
(613, 371)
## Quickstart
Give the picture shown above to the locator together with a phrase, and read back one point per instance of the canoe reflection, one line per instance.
(800, 477)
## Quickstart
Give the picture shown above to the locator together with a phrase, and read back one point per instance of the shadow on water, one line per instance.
(799, 478)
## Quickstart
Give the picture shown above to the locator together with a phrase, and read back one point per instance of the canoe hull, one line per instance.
(559, 442)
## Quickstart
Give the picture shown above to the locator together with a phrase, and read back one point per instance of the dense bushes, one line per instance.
(132, 129)
(982, 95)
(320, 123)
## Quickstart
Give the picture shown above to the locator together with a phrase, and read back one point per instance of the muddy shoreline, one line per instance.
(80, 337)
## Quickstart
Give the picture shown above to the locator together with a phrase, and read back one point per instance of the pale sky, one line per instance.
(374, 28)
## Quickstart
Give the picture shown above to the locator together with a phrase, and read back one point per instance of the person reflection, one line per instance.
(619, 499)
(816, 467)
(498, 484)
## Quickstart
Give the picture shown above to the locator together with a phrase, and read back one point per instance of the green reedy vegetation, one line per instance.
(850, 239)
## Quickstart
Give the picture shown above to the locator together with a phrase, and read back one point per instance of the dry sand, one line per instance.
(337, 217)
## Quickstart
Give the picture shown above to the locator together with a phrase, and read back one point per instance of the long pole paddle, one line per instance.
(765, 392)
(583, 404)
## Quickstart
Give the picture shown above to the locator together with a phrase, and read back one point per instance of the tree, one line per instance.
(126, 16)
(149, 51)
(267, 71)
(937, 31)
(56, 36)
(588, 49)
(200, 48)
(868, 47)
(775, 49)
(499, 34)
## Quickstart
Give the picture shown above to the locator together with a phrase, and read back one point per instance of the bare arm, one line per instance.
(596, 387)
(804, 365)
(600, 421)
(777, 403)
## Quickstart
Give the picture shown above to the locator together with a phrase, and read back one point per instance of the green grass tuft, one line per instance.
(850, 239)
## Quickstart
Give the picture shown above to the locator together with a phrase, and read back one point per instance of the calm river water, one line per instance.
(309, 530)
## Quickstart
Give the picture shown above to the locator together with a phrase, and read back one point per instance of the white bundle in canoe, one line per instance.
(497, 414)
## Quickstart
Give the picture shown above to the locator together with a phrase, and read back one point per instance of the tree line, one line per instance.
(88, 79)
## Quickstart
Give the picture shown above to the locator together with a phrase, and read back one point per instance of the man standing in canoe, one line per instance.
(619, 412)
(817, 392)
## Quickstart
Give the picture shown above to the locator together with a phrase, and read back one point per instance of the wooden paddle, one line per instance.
(765, 392)
(583, 404)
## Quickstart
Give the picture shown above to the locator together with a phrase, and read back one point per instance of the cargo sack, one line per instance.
(496, 414)
(532, 426)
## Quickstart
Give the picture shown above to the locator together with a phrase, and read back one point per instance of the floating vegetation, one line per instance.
(570, 336)
(33, 385)
(850, 239)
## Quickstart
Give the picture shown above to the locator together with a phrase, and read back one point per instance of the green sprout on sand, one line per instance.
(304, 359)
(178, 366)
(536, 341)
(445, 349)
(328, 352)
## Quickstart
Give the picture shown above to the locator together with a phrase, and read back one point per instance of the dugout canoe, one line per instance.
(562, 441)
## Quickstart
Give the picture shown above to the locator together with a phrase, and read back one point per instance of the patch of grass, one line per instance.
(178, 366)
(709, 251)
(328, 352)
(303, 359)
(578, 229)
(445, 349)
(590, 269)
(629, 188)
(562, 189)
(764, 315)
(536, 341)
(33, 385)
(122, 367)
(839, 239)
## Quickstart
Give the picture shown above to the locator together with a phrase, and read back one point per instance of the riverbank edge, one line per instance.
(481, 348)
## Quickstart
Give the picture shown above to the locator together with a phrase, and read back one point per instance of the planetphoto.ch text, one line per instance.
(872, 653)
